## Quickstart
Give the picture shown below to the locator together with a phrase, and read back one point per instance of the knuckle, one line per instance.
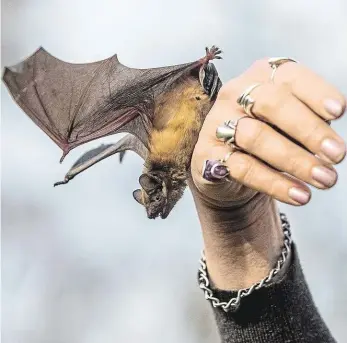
(228, 90)
(249, 134)
(295, 166)
(258, 69)
(314, 134)
(288, 74)
(260, 64)
(300, 166)
(241, 168)
(274, 187)
(271, 99)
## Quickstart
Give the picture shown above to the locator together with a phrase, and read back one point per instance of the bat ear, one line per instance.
(148, 182)
(137, 194)
(209, 79)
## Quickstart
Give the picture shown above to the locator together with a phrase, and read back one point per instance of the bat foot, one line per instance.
(66, 180)
(213, 53)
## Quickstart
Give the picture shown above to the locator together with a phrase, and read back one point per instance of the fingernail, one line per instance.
(299, 195)
(333, 107)
(333, 149)
(324, 176)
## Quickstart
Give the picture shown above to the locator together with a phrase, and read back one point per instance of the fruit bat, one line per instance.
(161, 109)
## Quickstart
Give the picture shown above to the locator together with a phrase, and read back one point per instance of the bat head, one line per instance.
(159, 193)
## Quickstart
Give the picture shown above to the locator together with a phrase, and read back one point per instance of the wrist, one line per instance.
(242, 244)
(242, 216)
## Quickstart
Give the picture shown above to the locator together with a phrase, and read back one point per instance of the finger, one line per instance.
(276, 105)
(322, 97)
(253, 174)
(217, 191)
(262, 141)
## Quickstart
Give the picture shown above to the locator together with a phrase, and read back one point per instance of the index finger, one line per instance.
(323, 98)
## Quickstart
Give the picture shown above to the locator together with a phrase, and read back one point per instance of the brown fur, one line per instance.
(180, 116)
(176, 132)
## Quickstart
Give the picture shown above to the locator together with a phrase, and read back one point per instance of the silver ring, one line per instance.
(246, 101)
(227, 156)
(214, 170)
(227, 132)
(275, 62)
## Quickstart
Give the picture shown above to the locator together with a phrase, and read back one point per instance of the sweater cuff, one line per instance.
(282, 311)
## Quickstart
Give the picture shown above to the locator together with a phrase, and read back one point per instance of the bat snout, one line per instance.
(161, 212)
(151, 216)
(154, 215)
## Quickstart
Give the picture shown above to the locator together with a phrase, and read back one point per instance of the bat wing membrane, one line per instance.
(76, 103)
(91, 157)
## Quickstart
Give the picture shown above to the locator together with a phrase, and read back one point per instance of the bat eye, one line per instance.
(197, 98)
(157, 198)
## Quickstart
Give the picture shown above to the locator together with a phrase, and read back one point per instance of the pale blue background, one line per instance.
(81, 263)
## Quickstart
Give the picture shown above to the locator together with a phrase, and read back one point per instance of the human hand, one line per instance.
(299, 103)
(238, 214)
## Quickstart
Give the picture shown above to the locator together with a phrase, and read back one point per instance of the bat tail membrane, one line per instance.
(88, 159)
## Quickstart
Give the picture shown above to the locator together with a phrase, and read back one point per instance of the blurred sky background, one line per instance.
(81, 263)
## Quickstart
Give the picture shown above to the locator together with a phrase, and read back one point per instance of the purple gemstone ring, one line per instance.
(214, 170)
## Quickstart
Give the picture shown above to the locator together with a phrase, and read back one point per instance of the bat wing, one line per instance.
(91, 157)
(76, 103)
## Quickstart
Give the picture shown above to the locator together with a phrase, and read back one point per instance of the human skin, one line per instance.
(239, 216)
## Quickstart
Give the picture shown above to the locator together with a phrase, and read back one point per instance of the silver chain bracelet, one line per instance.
(234, 303)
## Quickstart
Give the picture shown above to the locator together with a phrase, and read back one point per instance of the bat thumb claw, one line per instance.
(121, 156)
(66, 150)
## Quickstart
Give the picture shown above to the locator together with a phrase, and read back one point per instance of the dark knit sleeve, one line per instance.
(282, 312)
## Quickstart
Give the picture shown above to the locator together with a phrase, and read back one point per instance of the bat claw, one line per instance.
(121, 156)
(212, 53)
(66, 180)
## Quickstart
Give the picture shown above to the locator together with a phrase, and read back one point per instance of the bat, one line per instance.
(161, 110)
